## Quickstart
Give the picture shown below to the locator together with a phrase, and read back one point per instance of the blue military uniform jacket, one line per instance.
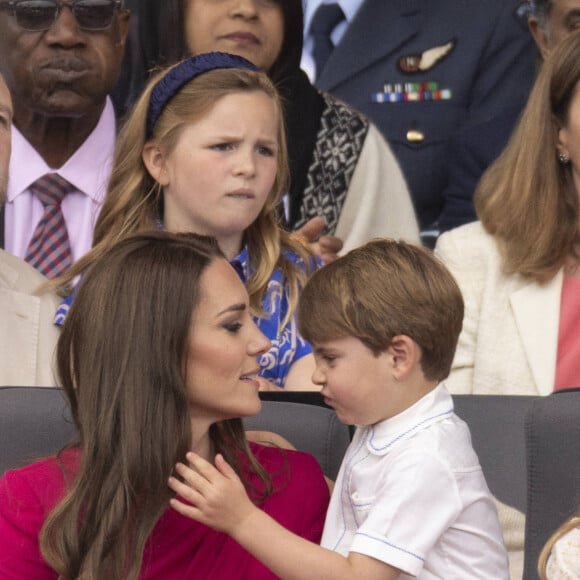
(479, 52)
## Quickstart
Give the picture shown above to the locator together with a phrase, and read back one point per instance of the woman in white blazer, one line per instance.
(519, 266)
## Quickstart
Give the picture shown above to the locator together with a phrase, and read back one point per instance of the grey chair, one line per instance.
(553, 457)
(34, 422)
(309, 427)
(498, 435)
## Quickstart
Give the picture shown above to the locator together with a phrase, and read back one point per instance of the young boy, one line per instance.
(410, 500)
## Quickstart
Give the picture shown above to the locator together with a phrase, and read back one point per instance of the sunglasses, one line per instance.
(37, 15)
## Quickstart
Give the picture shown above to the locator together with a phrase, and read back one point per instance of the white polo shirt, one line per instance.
(411, 493)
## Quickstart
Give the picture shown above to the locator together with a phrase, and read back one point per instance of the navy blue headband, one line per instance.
(181, 74)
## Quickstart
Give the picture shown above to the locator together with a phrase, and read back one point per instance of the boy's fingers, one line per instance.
(193, 479)
(201, 466)
(185, 510)
(224, 467)
(186, 491)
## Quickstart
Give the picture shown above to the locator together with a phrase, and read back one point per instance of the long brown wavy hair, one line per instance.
(527, 199)
(121, 360)
(134, 199)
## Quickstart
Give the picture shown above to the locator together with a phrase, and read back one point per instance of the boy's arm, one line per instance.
(220, 501)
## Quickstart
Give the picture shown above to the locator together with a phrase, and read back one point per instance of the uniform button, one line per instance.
(414, 136)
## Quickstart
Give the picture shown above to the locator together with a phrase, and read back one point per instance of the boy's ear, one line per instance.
(154, 161)
(405, 354)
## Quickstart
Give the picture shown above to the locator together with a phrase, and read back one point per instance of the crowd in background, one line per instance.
(293, 132)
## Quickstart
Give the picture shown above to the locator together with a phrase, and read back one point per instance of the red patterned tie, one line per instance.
(49, 250)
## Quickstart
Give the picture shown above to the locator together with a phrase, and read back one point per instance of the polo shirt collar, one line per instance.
(433, 407)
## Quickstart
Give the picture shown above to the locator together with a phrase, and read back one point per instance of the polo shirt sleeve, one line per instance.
(416, 499)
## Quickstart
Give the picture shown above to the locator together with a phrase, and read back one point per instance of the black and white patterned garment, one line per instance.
(339, 143)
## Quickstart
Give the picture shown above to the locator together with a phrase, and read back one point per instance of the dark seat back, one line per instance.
(34, 422)
(553, 455)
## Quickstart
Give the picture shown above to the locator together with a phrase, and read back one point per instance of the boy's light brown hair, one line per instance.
(384, 289)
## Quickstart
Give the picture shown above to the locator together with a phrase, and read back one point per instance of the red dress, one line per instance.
(178, 547)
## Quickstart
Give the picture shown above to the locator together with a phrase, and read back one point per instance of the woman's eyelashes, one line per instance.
(232, 327)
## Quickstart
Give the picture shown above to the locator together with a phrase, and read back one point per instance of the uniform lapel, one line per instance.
(379, 28)
(537, 312)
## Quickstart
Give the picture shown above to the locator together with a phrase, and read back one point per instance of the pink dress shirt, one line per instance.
(88, 170)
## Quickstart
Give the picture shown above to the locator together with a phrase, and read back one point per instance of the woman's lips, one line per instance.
(242, 38)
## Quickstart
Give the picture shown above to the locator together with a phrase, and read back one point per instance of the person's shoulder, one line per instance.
(289, 466)
(274, 458)
(44, 479)
(341, 114)
(18, 275)
(471, 239)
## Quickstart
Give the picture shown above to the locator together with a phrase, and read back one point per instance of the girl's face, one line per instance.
(253, 29)
(219, 175)
(224, 344)
(569, 137)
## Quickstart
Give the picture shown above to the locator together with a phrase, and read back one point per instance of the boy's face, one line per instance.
(357, 384)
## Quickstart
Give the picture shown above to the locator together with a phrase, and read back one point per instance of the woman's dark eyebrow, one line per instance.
(234, 308)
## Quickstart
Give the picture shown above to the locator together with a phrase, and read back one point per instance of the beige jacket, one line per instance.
(378, 203)
(509, 341)
(27, 333)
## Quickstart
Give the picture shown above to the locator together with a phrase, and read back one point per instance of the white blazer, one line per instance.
(27, 333)
(509, 341)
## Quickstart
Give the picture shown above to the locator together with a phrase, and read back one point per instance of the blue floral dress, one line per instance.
(287, 344)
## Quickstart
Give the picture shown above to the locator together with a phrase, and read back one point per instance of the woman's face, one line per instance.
(218, 177)
(223, 347)
(569, 137)
(253, 29)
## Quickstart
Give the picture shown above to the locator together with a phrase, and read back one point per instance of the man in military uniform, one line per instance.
(421, 70)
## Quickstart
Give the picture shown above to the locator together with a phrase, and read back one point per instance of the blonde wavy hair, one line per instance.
(134, 199)
(527, 199)
(568, 525)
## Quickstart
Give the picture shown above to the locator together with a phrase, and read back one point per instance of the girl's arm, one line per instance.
(220, 501)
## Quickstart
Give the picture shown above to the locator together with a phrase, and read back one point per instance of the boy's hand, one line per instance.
(218, 496)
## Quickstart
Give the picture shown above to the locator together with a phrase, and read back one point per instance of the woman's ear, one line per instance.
(562, 146)
(154, 161)
(540, 36)
(405, 354)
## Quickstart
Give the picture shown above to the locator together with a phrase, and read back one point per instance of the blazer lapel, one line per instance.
(2, 243)
(537, 312)
(379, 28)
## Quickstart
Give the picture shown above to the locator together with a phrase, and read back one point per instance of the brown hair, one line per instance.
(134, 199)
(527, 199)
(121, 361)
(384, 289)
(568, 525)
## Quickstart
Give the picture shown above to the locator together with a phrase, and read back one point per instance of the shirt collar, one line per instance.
(349, 9)
(435, 406)
(241, 265)
(95, 152)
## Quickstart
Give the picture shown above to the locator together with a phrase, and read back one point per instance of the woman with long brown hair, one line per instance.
(157, 356)
(519, 266)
